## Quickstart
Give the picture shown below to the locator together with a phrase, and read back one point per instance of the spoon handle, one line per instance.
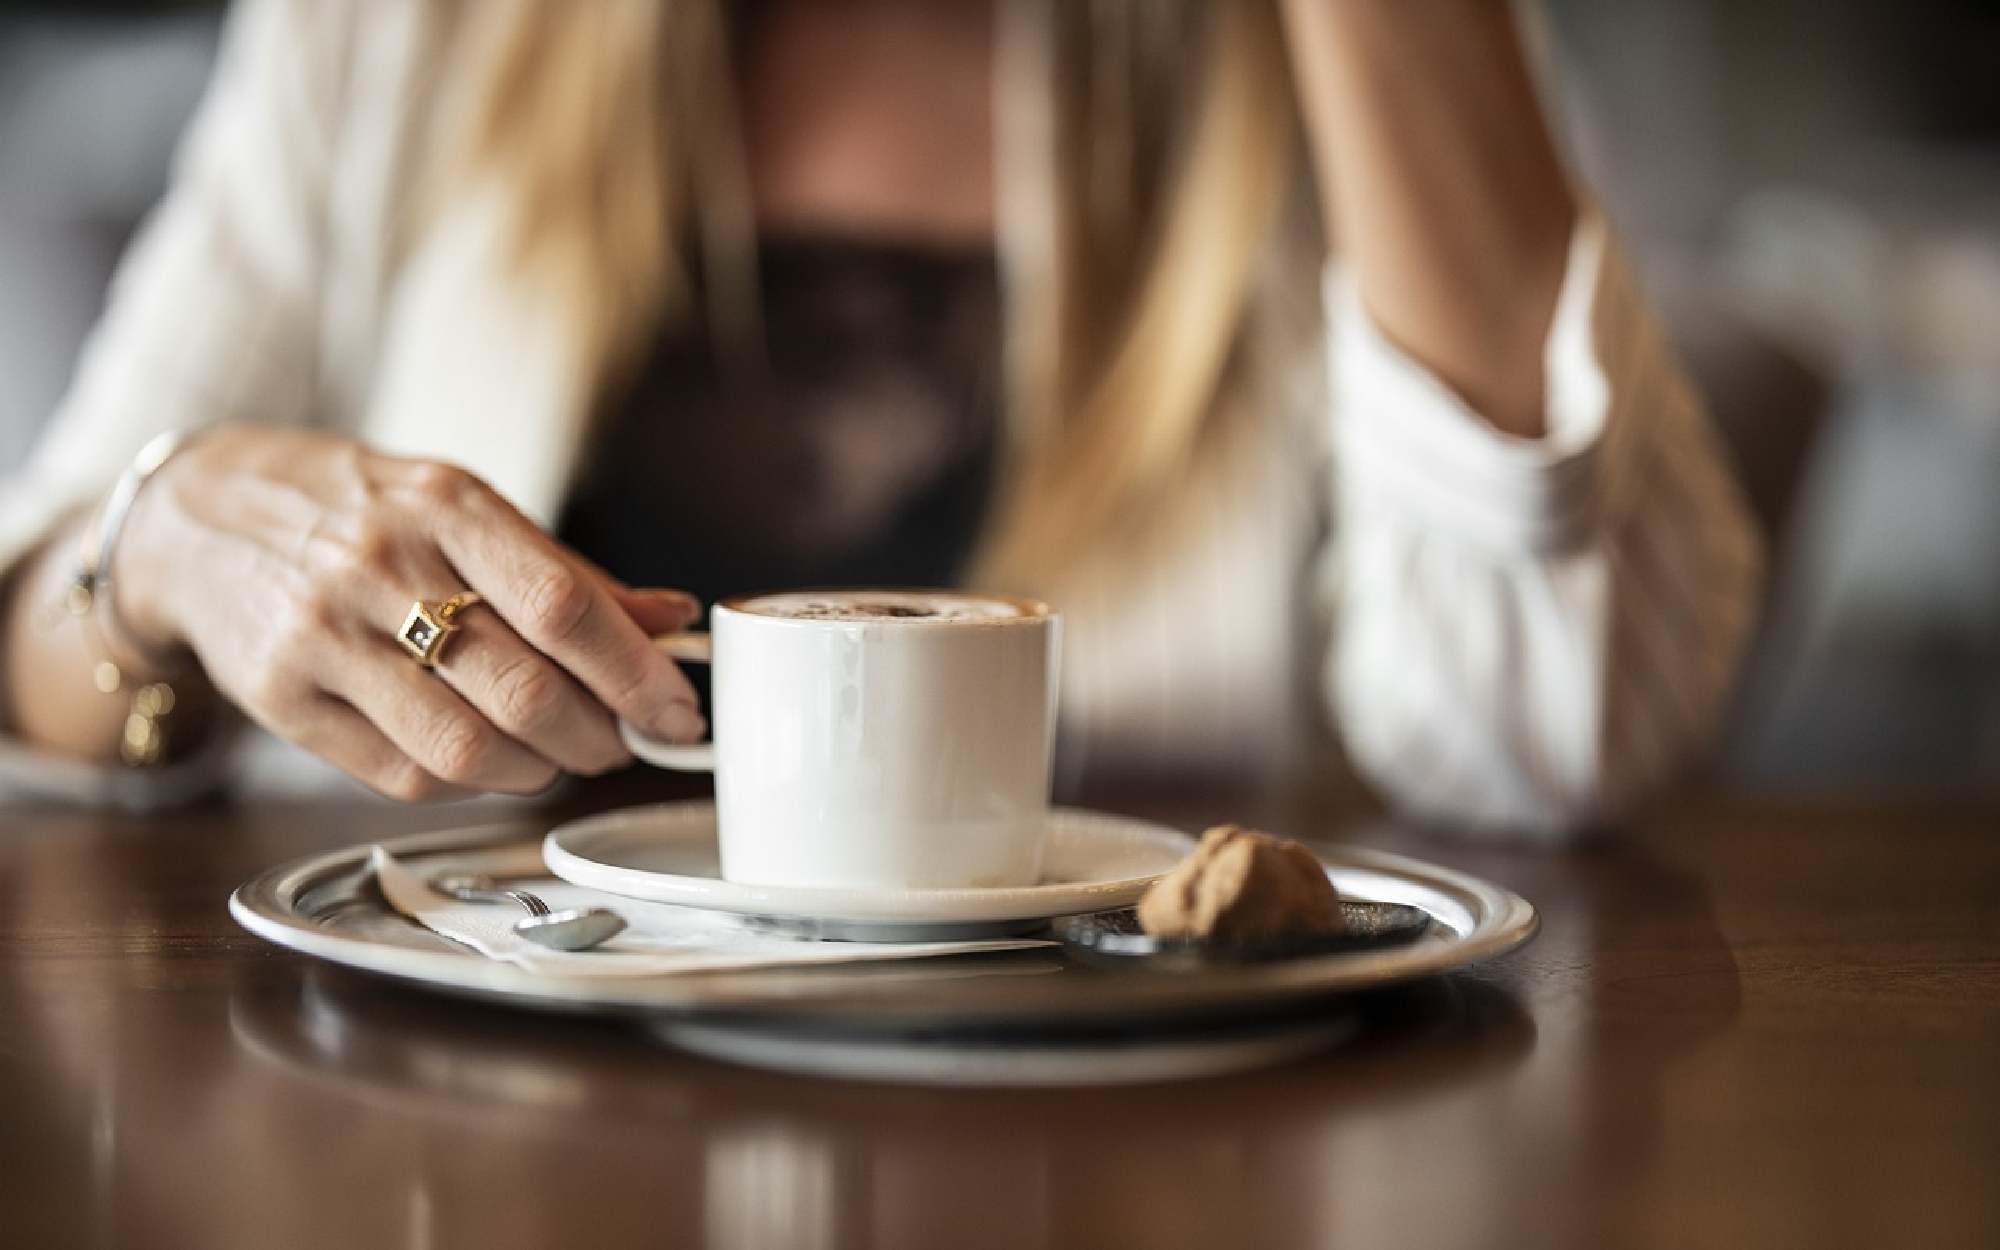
(535, 906)
(482, 890)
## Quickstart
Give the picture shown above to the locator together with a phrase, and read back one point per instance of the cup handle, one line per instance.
(692, 647)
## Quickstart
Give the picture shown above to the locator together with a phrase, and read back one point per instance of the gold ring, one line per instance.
(427, 626)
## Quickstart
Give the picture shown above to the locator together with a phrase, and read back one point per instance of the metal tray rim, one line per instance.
(1477, 920)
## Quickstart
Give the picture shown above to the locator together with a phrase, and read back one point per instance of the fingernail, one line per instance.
(682, 723)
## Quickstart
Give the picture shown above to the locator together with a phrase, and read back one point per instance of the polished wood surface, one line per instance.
(1753, 1023)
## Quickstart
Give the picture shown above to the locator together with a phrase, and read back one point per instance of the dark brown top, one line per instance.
(859, 452)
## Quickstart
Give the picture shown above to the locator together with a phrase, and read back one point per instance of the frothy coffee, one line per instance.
(886, 605)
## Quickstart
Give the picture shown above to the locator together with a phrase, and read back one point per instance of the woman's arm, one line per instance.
(1544, 571)
(284, 560)
(210, 318)
(1437, 172)
(52, 697)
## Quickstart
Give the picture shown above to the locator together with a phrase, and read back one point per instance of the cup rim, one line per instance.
(1032, 611)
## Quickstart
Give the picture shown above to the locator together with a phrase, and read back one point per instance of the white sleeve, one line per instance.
(1531, 633)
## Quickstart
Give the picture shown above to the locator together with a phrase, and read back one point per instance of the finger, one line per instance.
(529, 698)
(515, 687)
(430, 723)
(658, 611)
(563, 609)
(344, 738)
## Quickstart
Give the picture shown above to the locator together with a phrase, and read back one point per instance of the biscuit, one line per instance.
(1242, 887)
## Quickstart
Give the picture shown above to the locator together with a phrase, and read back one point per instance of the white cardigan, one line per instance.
(1523, 634)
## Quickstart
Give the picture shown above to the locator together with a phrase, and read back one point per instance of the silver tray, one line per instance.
(328, 907)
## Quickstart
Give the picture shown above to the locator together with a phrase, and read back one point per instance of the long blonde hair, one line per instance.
(1144, 152)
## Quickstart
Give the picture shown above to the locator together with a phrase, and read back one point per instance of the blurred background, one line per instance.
(1813, 190)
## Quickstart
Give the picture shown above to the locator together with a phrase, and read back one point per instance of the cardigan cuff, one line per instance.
(1410, 446)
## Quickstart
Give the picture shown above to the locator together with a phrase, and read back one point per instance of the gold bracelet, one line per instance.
(88, 599)
(144, 740)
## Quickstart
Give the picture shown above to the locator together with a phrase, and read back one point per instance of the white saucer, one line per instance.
(666, 854)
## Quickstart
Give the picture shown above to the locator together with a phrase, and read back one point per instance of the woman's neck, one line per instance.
(872, 118)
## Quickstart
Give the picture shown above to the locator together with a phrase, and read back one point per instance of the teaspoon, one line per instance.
(1115, 940)
(571, 929)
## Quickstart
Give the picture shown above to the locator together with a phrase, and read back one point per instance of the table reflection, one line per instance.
(736, 1158)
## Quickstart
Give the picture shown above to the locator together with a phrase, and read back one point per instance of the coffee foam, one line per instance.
(872, 606)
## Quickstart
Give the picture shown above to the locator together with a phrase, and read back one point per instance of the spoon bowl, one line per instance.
(572, 928)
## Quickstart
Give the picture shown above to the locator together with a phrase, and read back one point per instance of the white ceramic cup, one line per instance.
(876, 750)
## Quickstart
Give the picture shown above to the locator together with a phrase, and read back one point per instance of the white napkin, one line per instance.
(660, 939)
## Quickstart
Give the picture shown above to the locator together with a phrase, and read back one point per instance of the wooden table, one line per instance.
(1755, 1024)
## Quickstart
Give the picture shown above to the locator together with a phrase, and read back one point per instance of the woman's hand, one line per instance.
(286, 560)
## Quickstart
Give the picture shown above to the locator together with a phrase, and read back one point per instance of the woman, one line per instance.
(727, 297)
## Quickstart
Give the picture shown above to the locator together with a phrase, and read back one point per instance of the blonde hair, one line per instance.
(1143, 149)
